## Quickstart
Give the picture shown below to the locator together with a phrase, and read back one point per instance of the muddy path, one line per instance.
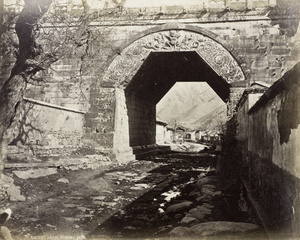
(183, 191)
(164, 196)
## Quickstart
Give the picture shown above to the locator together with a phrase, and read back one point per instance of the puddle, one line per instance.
(171, 194)
(125, 176)
(140, 186)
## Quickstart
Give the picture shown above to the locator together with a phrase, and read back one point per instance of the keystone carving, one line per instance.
(125, 66)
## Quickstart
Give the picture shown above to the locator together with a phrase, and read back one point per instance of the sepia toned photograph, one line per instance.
(149, 119)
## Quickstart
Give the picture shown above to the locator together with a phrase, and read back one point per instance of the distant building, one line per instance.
(198, 135)
(208, 136)
(180, 133)
(161, 131)
(170, 134)
(190, 136)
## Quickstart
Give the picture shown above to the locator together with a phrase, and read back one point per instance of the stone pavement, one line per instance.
(174, 195)
(186, 198)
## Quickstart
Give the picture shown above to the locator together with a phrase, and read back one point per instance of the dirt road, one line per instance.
(143, 199)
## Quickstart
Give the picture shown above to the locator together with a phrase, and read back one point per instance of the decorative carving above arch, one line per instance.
(124, 67)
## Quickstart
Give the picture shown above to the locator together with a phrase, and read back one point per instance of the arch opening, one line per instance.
(142, 73)
(159, 72)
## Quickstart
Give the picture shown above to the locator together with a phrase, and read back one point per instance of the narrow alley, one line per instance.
(175, 194)
(185, 197)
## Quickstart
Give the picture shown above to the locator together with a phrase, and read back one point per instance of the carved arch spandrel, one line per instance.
(124, 67)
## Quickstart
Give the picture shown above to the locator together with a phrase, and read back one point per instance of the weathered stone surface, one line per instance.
(35, 173)
(204, 198)
(63, 180)
(188, 220)
(5, 232)
(214, 228)
(14, 194)
(205, 181)
(206, 191)
(209, 187)
(179, 232)
(179, 207)
(200, 212)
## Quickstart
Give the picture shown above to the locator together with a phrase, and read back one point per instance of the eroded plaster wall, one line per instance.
(41, 130)
(269, 150)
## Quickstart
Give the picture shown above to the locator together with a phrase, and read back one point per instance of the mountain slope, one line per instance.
(212, 121)
(187, 103)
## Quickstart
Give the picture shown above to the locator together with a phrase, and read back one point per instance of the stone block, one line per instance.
(260, 64)
(281, 51)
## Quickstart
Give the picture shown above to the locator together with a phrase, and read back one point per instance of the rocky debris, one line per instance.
(99, 198)
(63, 180)
(94, 161)
(214, 228)
(179, 193)
(13, 192)
(51, 226)
(179, 207)
(5, 232)
(75, 226)
(207, 180)
(187, 146)
(199, 212)
(119, 176)
(5, 215)
(179, 232)
(72, 219)
(35, 173)
(188, 220)
(140, 186)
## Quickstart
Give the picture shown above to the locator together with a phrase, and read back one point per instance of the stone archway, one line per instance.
(124, 67)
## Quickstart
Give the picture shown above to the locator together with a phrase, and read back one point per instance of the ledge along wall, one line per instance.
(268, 143)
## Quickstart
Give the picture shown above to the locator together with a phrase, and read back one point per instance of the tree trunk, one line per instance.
(12, 90)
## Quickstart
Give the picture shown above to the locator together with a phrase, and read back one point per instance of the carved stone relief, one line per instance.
(125, 66)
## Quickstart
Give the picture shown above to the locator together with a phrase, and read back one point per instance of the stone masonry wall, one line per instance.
(41, 130)
(258, 39)
(259, 46)
(142, 117)
(269, 151)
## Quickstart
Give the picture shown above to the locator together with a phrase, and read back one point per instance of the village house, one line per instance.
(170, 134)
(190, 135)
(161, 131)
(179, 133)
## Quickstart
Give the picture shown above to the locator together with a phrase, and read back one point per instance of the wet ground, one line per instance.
(184, 191)
(163, 196)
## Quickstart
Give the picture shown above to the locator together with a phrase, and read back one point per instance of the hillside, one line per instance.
(212, 121)
(191, 105)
